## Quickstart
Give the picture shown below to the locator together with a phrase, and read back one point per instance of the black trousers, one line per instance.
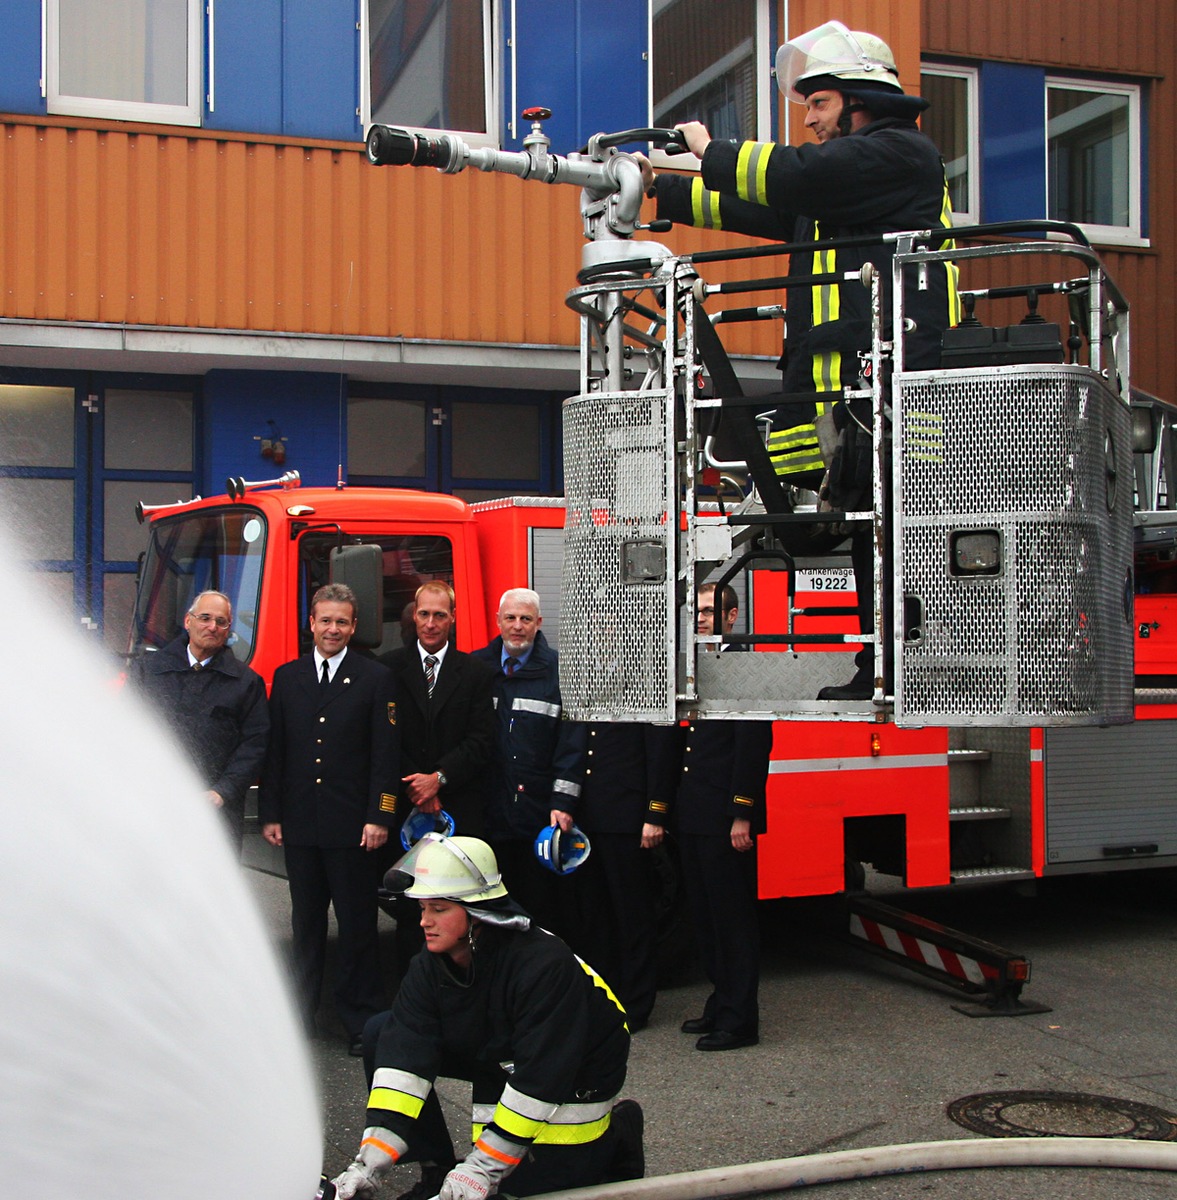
(720, 884)
(616, 927)
(344, 878)
(543, 1169)
(545, 895)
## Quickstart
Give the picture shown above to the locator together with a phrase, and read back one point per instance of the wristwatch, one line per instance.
(441, 779)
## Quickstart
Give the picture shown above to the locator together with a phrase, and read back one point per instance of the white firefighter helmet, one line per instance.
(832, 49)
(462, 869)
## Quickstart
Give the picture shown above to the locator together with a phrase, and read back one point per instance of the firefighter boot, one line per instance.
(629, 1156)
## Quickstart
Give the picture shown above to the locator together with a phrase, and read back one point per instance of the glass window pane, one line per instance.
(118, 603)
(705, 65)
(386, 437)
(41, 517)
(1088, 148)
(130, 50)
(495, 441)
(211, 550)
(123, 538)
(148, 431)
(427, 64)
(947, 124)
(36, 426)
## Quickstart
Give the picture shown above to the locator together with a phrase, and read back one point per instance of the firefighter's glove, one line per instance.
(363, 1176)
(477, 1178)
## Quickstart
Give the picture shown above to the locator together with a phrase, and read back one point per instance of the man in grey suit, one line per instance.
(328, 797)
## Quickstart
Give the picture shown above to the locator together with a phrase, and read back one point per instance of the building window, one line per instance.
(130, 60)
(711, 63)
(1093, 157)
(428, 64)
(951, 122)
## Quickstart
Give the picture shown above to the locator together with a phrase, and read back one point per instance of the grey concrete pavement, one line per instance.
(858, 1053)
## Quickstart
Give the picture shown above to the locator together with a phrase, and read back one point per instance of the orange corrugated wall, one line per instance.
(146, 226)
(189, 229)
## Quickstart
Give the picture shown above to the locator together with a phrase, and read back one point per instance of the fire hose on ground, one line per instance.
(783, 1174)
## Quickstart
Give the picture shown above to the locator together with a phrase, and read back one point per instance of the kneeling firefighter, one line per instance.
(498, 1001)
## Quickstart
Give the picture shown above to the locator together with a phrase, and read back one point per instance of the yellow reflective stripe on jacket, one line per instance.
(950, 268)
(567, 1124)
(826, 304)
(398, 1091)
(705, 212)
(599, 982)
(751, 170)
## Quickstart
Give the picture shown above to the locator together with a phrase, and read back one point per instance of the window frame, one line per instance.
(763, 52)
(190, 113)
(1131, 234)
(492, 76)
(971, 75)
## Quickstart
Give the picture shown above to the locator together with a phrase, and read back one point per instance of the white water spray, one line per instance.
(147, 1043)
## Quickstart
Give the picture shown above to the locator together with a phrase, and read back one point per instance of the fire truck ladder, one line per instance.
(958, 960)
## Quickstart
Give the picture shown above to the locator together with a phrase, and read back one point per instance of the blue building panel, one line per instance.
(309, 410)
(320, 70)
(20, 57)
(247, 66)
(1013, 142)
(584, 61)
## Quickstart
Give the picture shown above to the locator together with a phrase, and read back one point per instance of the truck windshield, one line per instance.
(217, 550)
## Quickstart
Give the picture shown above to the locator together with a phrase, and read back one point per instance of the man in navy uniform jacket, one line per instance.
(328, 797)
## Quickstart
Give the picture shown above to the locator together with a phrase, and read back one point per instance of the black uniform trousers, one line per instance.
(720, 885)
(542, 893)
(348, 878)
(616, 927)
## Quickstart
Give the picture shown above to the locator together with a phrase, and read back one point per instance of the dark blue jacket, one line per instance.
(540, 760)
(219, 715)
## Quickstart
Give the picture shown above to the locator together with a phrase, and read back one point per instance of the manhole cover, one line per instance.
(1062, 1114)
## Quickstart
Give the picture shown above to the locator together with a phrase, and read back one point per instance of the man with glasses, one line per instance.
(215, 705)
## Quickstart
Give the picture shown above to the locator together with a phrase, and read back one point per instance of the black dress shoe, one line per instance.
(724, 1039)
(861, 687)
(355, 1047)
(698, 1025)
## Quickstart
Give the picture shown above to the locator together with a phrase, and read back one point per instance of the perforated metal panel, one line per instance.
(616, 621)
(1041, 459)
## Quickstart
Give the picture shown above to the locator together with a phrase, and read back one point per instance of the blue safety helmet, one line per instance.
(419, 823)
(559, 851)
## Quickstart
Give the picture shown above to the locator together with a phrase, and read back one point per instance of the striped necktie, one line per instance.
(430, 672)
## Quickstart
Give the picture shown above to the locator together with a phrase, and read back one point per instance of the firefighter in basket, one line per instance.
(498, 1001)
(871, 172)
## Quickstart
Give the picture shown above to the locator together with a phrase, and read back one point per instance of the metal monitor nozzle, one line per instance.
(611, 179)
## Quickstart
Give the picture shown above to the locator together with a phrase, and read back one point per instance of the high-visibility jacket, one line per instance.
(884, 178)
(537, 1031)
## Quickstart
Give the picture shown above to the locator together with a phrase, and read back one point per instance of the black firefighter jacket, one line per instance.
(529, 1005)
(452, 731)
(333, 763)
(885, 178)
(219, 715)
(540, 756)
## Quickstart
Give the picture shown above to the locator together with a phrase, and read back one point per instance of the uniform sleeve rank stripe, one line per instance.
(521, 704)
(744, 800)
(659, 806)
(387, 802)
(402, 1081)
(391, 1100)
